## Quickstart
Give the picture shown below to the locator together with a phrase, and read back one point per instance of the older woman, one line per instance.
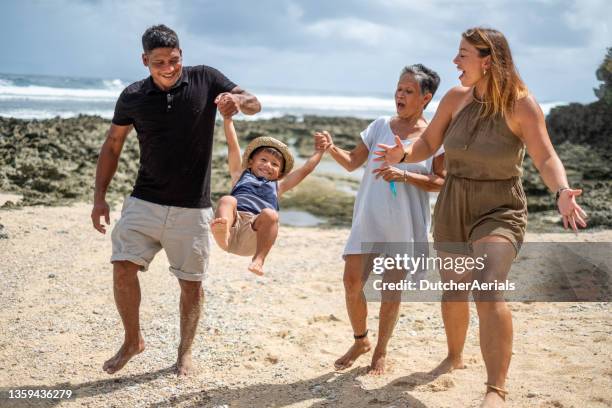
(485, 126)
(384, 211)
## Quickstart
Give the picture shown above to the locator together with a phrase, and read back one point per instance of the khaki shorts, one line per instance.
(145, 228)
(243, 238)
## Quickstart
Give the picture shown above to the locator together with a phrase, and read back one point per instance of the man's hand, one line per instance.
(100, 209)
(228, 104)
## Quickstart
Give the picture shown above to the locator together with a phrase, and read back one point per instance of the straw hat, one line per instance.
(269, 142)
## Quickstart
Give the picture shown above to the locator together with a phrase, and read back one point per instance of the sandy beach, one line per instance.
(262, 342)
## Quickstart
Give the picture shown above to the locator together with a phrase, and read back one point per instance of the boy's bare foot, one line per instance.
(377, 366)
(221, 231)
(184, 365)
(256, 266)
(125, 353)
(358, 348)
(447, 365)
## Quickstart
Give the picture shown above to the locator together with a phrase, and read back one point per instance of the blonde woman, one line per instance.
(485, 126)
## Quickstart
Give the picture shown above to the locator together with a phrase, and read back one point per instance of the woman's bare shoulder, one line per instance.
(455, 97)
(527, 108)
(459, 90)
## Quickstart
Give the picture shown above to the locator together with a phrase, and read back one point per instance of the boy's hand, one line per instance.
(323, 140)
(228, 104)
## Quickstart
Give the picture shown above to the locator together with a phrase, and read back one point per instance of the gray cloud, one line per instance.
(342, 45)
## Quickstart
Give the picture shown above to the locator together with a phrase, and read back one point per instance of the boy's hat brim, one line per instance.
(267, 141)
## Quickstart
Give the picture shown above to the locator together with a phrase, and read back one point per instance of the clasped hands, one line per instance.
(228, 104)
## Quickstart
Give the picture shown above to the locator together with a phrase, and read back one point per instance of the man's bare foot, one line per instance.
(377, 366)
(447, 365)
(358, 348)
(221, 231)
(184, 365)
(256, 266)
(493, 400)
(125, 353)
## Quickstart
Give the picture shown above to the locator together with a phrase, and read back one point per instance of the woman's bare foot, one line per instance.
(125, 353)
(358, 348)
(493, 400)
(256, 266)
(184, 365)
(378, 364)
(447, 365)
(221, 231)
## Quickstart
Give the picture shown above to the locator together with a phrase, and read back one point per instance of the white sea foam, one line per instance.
(326, 102)
(50, 114)
(41, 101)
(46, 93)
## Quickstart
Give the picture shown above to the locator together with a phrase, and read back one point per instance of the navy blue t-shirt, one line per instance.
(175, 132)
(253, 193)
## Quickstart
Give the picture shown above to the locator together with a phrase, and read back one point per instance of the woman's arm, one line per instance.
(234, 160)
(350, 160)
(430, 141)
(428, 182)
(530, 121)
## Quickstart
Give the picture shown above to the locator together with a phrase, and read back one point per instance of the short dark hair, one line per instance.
(274, 152)
(427, 78)
(159, 36)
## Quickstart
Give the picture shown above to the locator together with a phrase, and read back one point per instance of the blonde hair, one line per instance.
(504, 85)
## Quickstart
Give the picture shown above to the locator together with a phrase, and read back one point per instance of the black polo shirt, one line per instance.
(175, 132)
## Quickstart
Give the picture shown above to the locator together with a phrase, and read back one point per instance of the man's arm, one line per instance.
(296, 176)
(237, 100)
(248, 104)
(107, 165)
(234, 160)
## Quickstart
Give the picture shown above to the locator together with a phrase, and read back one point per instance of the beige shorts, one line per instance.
(145, 228)
(243, 238)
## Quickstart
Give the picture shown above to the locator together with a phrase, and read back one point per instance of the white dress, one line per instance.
(378, 216)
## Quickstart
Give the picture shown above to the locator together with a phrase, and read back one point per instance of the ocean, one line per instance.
(45, 97)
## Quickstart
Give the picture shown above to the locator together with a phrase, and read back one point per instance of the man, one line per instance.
(173, 112)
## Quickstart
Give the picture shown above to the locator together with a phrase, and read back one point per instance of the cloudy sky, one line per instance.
(336, 46)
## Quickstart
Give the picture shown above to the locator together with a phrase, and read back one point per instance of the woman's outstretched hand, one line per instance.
(570, 211)
(390, 154)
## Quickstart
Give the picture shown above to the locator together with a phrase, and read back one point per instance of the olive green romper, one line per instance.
(482, 194)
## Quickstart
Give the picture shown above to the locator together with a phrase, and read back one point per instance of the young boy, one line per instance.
(246, 221)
